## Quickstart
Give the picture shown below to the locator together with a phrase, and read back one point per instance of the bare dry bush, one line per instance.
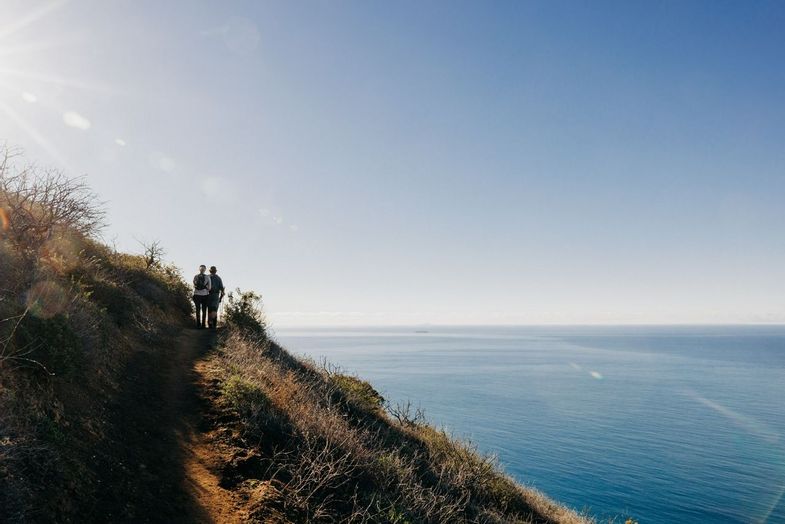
(8, 327)
(318, 471)
(405, 416)
(38, 202)
(153, 254)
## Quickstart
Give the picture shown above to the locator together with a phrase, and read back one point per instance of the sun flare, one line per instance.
(33, 93)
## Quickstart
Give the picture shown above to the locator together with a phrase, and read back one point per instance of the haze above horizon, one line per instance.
(445, 163)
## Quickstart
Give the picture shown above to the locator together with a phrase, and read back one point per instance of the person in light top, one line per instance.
(201, 295)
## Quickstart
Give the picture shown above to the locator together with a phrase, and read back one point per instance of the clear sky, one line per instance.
(426, 162)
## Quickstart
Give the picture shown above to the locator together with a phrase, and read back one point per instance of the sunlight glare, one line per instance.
(31, 17)
(749, 424)
(4, 222)
(163, 162)
(61, 251)
(774, 504)
(211, 186)
(74, 119)
(46, 299)
(57, 80)
(33, 133)
(33, 47)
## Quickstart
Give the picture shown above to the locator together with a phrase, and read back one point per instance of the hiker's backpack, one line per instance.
(201, 282)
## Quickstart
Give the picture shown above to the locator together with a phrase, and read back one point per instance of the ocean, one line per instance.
(661, 424)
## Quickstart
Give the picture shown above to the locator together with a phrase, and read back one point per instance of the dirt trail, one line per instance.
(157, 463)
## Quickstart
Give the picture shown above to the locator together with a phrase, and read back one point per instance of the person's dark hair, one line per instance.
(212, 269)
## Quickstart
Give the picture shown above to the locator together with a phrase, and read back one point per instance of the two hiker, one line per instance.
(208, 293)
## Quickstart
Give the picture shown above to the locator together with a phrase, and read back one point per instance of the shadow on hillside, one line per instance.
(141, 461)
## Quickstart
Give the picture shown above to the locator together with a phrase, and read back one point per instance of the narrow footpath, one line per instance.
(157, 463)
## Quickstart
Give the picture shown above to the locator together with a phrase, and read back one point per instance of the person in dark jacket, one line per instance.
(215, 297)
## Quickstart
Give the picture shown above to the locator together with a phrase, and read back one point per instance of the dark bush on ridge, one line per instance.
(243, 311)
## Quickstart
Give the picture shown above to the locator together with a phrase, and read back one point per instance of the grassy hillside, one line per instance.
(72, 313)
(91, 373)
(309, 443)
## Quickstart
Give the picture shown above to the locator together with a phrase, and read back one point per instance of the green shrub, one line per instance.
(359, 392)
(243, 311)
(243, 396)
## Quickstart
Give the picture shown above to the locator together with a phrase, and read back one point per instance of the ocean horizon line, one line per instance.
(544, 325)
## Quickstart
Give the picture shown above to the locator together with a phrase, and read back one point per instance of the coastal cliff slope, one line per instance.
(113, 408)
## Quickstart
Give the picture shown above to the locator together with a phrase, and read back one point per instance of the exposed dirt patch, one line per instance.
(236, 468)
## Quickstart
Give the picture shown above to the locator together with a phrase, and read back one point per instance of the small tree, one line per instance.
(153, 254)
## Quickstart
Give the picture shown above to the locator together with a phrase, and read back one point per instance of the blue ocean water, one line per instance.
(663, 424)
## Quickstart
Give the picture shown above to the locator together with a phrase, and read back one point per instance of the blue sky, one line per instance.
(410, 162)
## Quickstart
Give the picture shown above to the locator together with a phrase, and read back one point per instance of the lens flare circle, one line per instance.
(75, 120)
(46, 299)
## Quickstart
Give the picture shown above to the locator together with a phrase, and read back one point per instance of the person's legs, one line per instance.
(204, 311)
(201, 310)
(212, 311)
(196, 304)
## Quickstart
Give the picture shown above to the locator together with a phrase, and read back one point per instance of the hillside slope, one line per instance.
(304, 442)
(114, 409)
